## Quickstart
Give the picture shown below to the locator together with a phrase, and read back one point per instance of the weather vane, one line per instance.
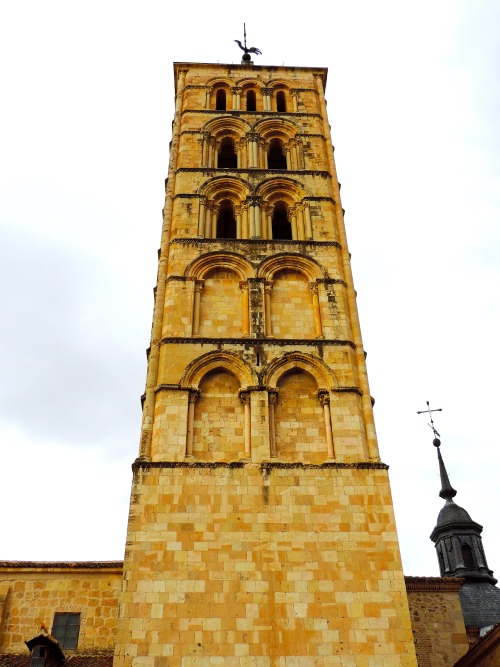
(436, 442)
(246, 57)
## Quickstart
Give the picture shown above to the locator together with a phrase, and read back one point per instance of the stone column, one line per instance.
(273, 401)
(205, 148)
(266, 98)
(253, 162)
(245, 302)
(307, 216)
(324, 399)
(269, 214)
(254, 212)
(194, 395)
(198, 286)
(207, 98)
(245, 399)
(295, 99)
(293, 221)
(316, 311)
(300, 221)
(268, 325)
(287, 155)
(208, 219)
(201, 217)
(215, 212)
(244, 220)
(237, 215)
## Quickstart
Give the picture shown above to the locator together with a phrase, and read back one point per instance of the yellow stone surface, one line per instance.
(30, 596)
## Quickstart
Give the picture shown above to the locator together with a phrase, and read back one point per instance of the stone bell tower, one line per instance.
(261, 528)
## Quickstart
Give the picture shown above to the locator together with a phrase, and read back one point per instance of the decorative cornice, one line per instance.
(226, 170)
(195, 240)
(248, 342)
(265, 466)
(433, 584)
(347, 390)
(242, 112)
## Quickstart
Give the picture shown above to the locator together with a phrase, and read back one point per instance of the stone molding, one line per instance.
(183, 340)
(433, 584)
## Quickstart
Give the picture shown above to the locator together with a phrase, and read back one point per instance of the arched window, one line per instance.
(281, 226)
(276, 158)
(468, 557)
(251, 100)
(227, 156)
(220, 100)
(226, 222)
(280, 101)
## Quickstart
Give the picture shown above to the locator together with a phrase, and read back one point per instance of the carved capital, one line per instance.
(267, 91)
(252, 136)
(313, 287)
(194, 395)
(198, 285)
(273, 396)
(324, 397)
(244, 396)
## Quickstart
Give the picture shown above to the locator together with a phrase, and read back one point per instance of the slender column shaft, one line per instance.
(300, 223)
(293, 221)
(316, 310)
(201, 219)
(214, 224)
(238, 223)
(268, 325)
(288, 160)
(245, 399)
(245, 305)
(258, 227)
(325, 402)
(193, 397)
(208, 221)
(273, 399)
(252, 221)
(198, 286)
(269, 226)
(307, 215)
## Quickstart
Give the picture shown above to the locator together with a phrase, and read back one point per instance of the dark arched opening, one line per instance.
(468, 557)
(220, 100)
(281, 226)
(226, 222)
(276, 158)
(280, 101)
(251, 100)
(226, 158)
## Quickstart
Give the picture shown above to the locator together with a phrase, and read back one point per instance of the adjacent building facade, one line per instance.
(261, 528)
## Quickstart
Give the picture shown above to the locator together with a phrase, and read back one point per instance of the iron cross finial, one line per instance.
(436, 442)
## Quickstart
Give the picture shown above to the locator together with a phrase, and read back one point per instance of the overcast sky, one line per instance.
(87, 103)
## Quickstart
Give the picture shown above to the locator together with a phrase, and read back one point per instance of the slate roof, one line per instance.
(480, 604)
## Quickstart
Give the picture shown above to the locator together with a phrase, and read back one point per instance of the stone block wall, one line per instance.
(33, 592)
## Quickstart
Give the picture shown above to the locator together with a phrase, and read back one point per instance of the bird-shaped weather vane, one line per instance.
(246, 58)
(436, 442)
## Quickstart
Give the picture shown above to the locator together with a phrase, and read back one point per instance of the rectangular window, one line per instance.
(66, 628)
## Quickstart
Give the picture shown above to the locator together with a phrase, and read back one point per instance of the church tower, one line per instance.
(261, 528)
(460, 552)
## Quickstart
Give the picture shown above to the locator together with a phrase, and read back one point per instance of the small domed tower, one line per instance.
(460, 553)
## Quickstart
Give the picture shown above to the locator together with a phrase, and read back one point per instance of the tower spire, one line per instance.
(447, 491)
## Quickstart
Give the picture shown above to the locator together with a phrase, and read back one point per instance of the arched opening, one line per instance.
(218, 430)
(226, 222)
(300, 425)
(468, 557)
(227, 158)
(280, 101)
(220, 100)
(251, 100)
(276, 158)
(281, 226)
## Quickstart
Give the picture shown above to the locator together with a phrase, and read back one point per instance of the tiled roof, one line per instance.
(11, 660)
(77, 565)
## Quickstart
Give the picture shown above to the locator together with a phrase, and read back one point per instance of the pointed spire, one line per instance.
(447, 491)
